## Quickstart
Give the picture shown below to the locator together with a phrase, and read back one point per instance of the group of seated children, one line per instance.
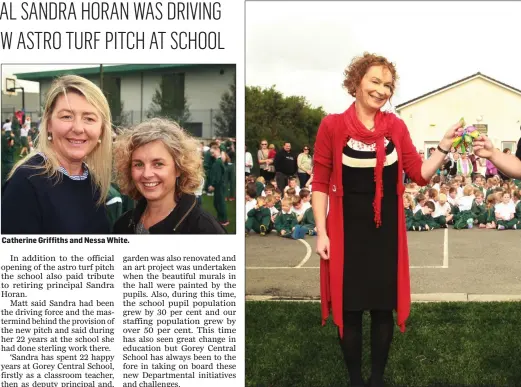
(492, 205)
(288, 212)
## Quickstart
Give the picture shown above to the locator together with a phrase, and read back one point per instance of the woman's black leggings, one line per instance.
(382, 328)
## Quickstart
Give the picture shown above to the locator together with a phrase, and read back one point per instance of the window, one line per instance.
(112, 91)
(174, 91)
(194, 128)
(512, 145)
(429, 144)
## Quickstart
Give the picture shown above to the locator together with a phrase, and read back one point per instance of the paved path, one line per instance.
(452, 264)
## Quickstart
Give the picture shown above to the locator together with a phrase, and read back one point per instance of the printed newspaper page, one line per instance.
(122, 260)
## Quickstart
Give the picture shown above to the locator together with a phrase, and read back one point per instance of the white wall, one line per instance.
(430, 118)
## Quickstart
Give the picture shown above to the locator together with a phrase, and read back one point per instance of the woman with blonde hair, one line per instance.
(157, 164)
(61, 188)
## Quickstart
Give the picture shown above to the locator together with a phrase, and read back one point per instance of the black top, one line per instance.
(285, 162)
(370, 253)
(186, 218)
(33, 203)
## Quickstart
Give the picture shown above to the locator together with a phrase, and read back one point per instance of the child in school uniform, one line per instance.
(505, 214)
(259, 218)
(421, 199)
(278, 199)
(445, 209)
(216, 184)
(270, 204)
(437, 215)
(308, 222)
(290, 193)
(286, 222)
(305, 196)
(492, 185)
(268, 190)
(423, 220)
(461, 219)
(292, 183)
(298, 208)
(408, 207)
(251, 198)
(516, 196)
(260, 185)
(479, 209)
(490, 217)
(479, 184)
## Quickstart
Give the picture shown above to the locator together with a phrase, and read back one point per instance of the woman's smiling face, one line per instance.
(375, 88)
(153, 171)
(75, 126)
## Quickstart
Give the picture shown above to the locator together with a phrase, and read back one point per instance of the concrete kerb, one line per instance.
(428, 297)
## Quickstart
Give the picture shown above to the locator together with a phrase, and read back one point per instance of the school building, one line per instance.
(490, 105)
(130, 89)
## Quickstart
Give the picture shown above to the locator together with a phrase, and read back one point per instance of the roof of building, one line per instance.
(128, 68)
(454, 84)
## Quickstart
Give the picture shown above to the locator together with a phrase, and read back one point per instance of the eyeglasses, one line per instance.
(306, 148)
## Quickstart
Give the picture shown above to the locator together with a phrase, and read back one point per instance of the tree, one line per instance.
(168, 103)
(225, 118)
(277, 118)
(120, 118)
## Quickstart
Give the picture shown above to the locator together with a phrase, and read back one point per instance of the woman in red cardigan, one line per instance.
(359, 158)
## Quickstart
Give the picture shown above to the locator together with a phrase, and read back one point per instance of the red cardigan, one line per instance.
(327, 178)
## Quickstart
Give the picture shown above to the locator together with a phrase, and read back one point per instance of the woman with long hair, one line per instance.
(61, 188)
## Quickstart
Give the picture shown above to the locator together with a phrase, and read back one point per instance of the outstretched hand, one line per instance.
(450, 135)
(483, 147)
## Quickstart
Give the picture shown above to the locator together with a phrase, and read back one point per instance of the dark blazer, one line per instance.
(186, 218)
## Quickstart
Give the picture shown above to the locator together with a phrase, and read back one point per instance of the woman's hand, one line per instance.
(323, 246)
(449, 136)
(483, 147)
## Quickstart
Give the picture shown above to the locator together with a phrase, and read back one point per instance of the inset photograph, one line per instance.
(122, 149)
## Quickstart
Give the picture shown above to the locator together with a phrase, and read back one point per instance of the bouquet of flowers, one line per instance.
(465, 137)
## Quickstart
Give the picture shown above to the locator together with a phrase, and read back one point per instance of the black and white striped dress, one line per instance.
(370, 253)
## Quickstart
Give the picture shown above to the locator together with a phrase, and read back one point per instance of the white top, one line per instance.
(273, 211)
(445, 209)
(437, 209)
(199, 190)
(505, 210)
(465, 203)
(24, 131)
(460, 192)
(299, 211)
(248, 162)
(306, 205)
(249, 206)
(451, 200)
(417, 208)
(7, 126)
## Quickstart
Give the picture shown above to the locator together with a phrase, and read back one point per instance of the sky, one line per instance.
(304, 47)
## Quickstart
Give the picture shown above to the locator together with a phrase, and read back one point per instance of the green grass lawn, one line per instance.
(230, 206)
(446, 344)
